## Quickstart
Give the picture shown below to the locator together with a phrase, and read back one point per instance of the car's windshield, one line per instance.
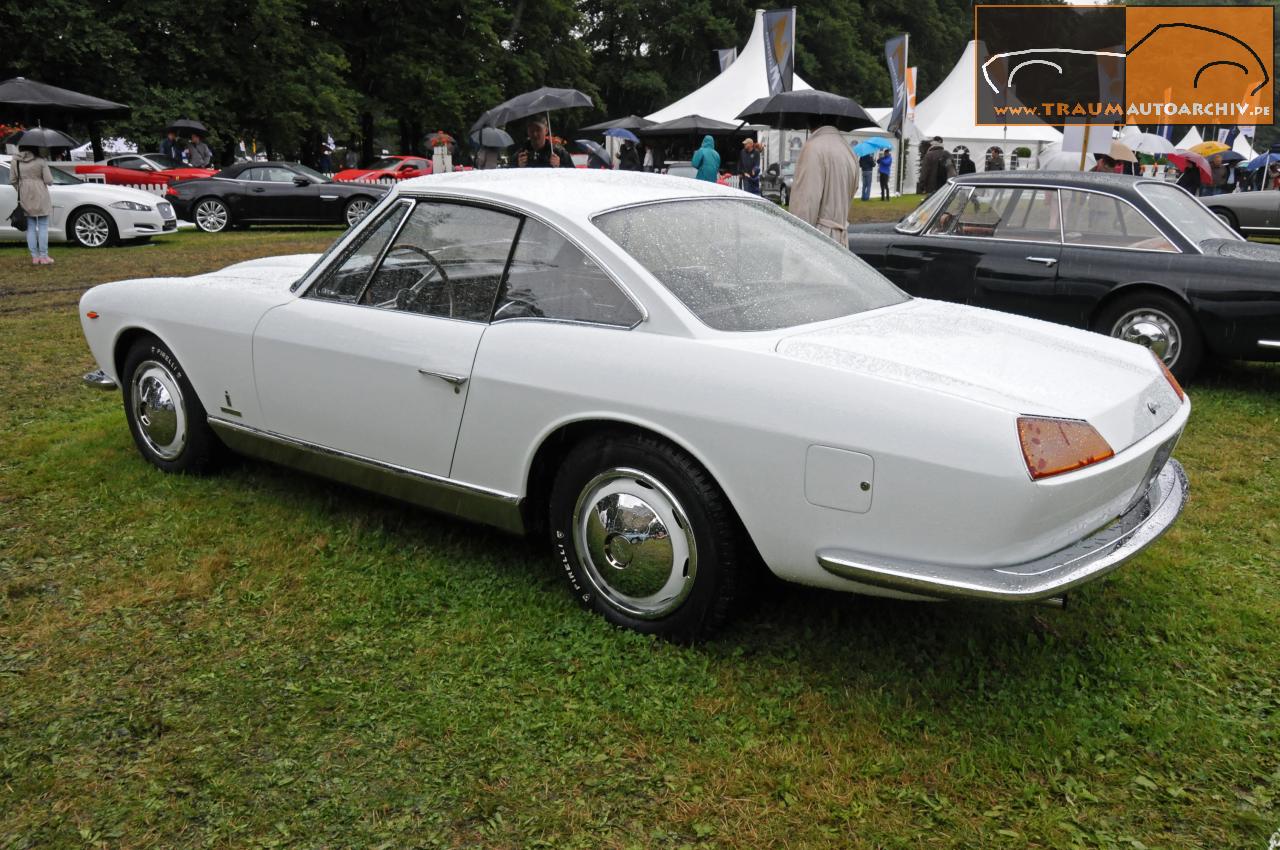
(742, 265)
(384, 163)
(310, 172)
(1185, 213)
(164, 161)
(915, 220)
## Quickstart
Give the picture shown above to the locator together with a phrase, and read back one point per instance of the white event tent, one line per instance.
(950, 112)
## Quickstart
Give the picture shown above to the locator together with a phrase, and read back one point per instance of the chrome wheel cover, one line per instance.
(92, 229)
(211, 216)
(1152, 328)
(634, 543)
(357, 210)
(156, 404)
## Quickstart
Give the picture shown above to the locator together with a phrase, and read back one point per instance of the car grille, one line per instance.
(166, 209)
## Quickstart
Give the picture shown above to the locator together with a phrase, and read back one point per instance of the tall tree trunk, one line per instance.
(406, 137)
(95, 140)
(366, 138)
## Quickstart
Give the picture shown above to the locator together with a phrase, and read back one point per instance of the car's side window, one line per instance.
(945, 221)
(550, 278)
(252, 174)
(1024, 213)
(275, 174)
(1091, 218)
(446, 261)
(349, 275)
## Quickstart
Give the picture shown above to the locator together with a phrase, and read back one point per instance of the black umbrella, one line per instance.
(596, 152)
(807, 109)
(491, 137)
(41, 137)
(30, 96)
(690, 124)
(531, 103)
(630, 122)
(186, 125)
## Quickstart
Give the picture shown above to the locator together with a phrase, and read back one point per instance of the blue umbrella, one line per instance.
(596, 153)
(1262, 161)
(870, 146)
(622, 133)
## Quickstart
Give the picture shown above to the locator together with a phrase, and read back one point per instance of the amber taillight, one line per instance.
(1053, 446)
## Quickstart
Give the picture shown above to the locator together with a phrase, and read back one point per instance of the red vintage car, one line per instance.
(389, 167)
(147, 169)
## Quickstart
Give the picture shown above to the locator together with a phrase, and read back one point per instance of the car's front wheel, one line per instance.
(92, 228)
(646, 538)
(357, 208)
(165, 416)
(212, 215)
(1160, 323)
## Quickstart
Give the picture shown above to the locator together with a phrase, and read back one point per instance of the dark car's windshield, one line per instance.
(310, 172)
(384, 163)
(742, 265)
(915, 220)
(1185, 213)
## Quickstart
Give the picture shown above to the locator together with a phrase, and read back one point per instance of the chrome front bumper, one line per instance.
(1088, 559)
(99, 380)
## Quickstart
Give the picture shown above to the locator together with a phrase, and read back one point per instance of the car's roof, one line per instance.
(577, 193)
(1078, 179)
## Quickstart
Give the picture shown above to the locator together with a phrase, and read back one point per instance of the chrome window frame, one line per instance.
(1031, 186)
(311, 278)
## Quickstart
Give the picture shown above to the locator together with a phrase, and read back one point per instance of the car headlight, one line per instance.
(131, 205)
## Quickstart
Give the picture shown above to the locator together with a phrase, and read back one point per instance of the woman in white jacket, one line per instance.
(29, 174)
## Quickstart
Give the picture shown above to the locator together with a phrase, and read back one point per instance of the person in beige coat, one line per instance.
(29, 174)
(826, 182)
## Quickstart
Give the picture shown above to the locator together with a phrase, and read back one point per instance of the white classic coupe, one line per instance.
(672, 381)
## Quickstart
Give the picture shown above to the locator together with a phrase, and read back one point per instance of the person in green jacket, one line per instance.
(707, 160)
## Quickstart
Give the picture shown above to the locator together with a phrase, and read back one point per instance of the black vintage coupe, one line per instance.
(271, 193)
(1138, 259)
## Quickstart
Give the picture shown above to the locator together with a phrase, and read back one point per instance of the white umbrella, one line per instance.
(1148, 143)
(1054, 158)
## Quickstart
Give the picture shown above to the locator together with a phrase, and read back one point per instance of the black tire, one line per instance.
(1228, 218)
(211, 215)
(691, 536)
(91, 227)
(1185, 356)
(154, 383)
(356, 208)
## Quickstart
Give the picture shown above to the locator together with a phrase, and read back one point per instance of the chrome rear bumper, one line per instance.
(99, 380)
(1088, 559)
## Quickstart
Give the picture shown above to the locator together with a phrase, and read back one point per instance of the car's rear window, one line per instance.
(1185, 213)
(743, 265)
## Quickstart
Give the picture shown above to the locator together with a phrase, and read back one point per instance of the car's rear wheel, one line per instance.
(645, 536)
(165, 416)
(1227, 217)
(356, 209)
(1160, 323)
(92, 228)
(212, 215)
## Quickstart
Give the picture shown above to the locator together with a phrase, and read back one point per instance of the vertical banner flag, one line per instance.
(911, 94)
(780, 48)
(726, 56)
(895, 53)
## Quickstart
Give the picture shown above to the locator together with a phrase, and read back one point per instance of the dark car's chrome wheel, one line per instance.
(158, 407)
(1152, 328)
(167, 420)
(357, 208)
(635, 544)
(1161, 323)
(212, 215)
(91, 229)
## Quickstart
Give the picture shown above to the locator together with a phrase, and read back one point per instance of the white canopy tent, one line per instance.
(950, 112)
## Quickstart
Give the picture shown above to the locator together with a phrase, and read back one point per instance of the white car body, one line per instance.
(875, 453)
(70, 199)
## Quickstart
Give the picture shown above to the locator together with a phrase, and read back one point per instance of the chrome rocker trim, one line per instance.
(99, 380)
(1050, 576)
(456, 498)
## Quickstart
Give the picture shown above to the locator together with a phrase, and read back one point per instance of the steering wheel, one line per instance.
(415, 291)
(512, 301)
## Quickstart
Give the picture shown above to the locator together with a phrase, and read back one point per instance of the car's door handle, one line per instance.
(258, 190)
(456, 380)
(1044, 261)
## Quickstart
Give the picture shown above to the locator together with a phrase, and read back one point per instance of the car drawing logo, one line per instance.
(1115, 64)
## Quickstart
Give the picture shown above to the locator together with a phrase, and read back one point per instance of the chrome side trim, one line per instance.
(100, 380)
(1269, 343)
(446, 495)
(1086, 560)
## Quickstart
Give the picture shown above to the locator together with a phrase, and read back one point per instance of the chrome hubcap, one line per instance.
(92, 229)
(158, 409)
(211, 216)
(357, 210)
(1153, 329)
(635, 543)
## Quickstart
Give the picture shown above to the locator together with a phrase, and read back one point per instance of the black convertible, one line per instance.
(1137, 259)
(271, 193)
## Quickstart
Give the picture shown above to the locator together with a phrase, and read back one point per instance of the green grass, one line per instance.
(261, 659)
